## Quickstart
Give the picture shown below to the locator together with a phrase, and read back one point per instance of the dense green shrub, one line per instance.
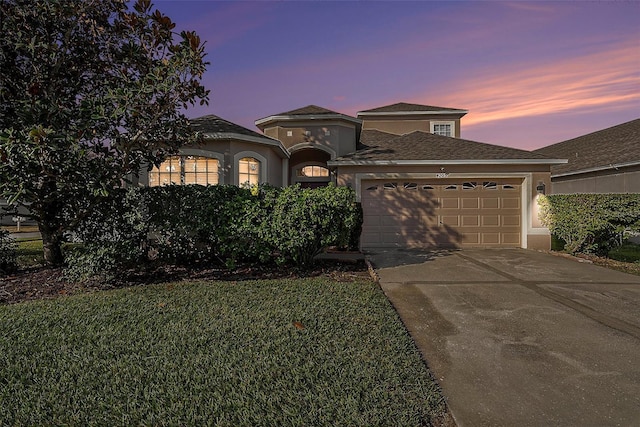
(590, 223)
(221, 224)
(114, 237)
(304, 222)
(8, 254)
(626, 253)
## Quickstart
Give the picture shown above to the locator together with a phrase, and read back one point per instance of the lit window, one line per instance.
(248, 171)
(312, 172)
(181, 170)
(327, 133)
(289, 133)
(307, 132)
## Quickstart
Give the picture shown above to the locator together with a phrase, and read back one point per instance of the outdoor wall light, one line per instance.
(540, 188)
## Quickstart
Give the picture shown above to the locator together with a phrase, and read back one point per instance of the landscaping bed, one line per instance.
(40, 282)
(290, 351)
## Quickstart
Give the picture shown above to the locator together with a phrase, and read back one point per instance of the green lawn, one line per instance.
(305, 352)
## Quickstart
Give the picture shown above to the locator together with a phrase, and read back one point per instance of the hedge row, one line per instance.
(221, 224)
(590, 223)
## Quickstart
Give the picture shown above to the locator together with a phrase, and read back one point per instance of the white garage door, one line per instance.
(441, 213)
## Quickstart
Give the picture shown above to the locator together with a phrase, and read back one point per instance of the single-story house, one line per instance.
(420, 184)
(606, 161)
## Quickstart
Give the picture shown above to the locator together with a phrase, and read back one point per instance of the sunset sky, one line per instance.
(530, 73)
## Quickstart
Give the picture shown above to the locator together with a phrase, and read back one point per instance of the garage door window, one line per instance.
(468, 185)
(487, 185)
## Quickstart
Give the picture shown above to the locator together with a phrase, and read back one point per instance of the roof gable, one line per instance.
(603, 149)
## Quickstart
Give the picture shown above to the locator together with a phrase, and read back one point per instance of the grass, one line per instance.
(23, 228)
(29, 252)
(293, 352)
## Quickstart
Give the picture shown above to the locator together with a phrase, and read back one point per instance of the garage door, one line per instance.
(441, 213)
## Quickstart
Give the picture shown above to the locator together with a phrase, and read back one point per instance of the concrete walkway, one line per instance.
(522, 338)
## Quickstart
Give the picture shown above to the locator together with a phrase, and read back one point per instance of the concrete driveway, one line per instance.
(521, 338)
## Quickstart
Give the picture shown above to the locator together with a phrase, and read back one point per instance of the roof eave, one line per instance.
(271, 119)
(412, 113)
(597, 169)
(446, 162)
(248, 138)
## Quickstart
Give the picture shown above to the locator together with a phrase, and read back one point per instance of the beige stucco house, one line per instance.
(419, 183)
(606, 161)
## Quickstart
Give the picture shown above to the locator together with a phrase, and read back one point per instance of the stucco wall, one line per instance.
(404, 125)
(341, 138)
(226, 151)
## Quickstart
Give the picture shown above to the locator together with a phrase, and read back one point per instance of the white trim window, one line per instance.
(249, 171)
(444, 128)
(185, 170)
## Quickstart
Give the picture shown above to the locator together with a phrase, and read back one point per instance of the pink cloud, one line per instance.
(606, 79)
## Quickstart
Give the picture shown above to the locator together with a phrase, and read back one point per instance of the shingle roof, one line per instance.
(405, 107)
(212, 124)
(306, 111)
(381, 146)
(605, 148)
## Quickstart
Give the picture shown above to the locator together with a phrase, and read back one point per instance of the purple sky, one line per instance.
(530, 73)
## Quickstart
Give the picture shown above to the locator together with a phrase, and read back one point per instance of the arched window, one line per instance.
(248, 171)
(313, 172)
(184, 170)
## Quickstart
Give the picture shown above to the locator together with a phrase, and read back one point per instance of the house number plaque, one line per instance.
(442, 175)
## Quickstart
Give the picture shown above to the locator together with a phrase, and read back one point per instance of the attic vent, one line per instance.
(390, 185)
(410, 186)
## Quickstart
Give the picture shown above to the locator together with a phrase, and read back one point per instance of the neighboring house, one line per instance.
(606, 161)
(420, 184)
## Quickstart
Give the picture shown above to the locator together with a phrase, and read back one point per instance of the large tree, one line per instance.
(90, 92)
